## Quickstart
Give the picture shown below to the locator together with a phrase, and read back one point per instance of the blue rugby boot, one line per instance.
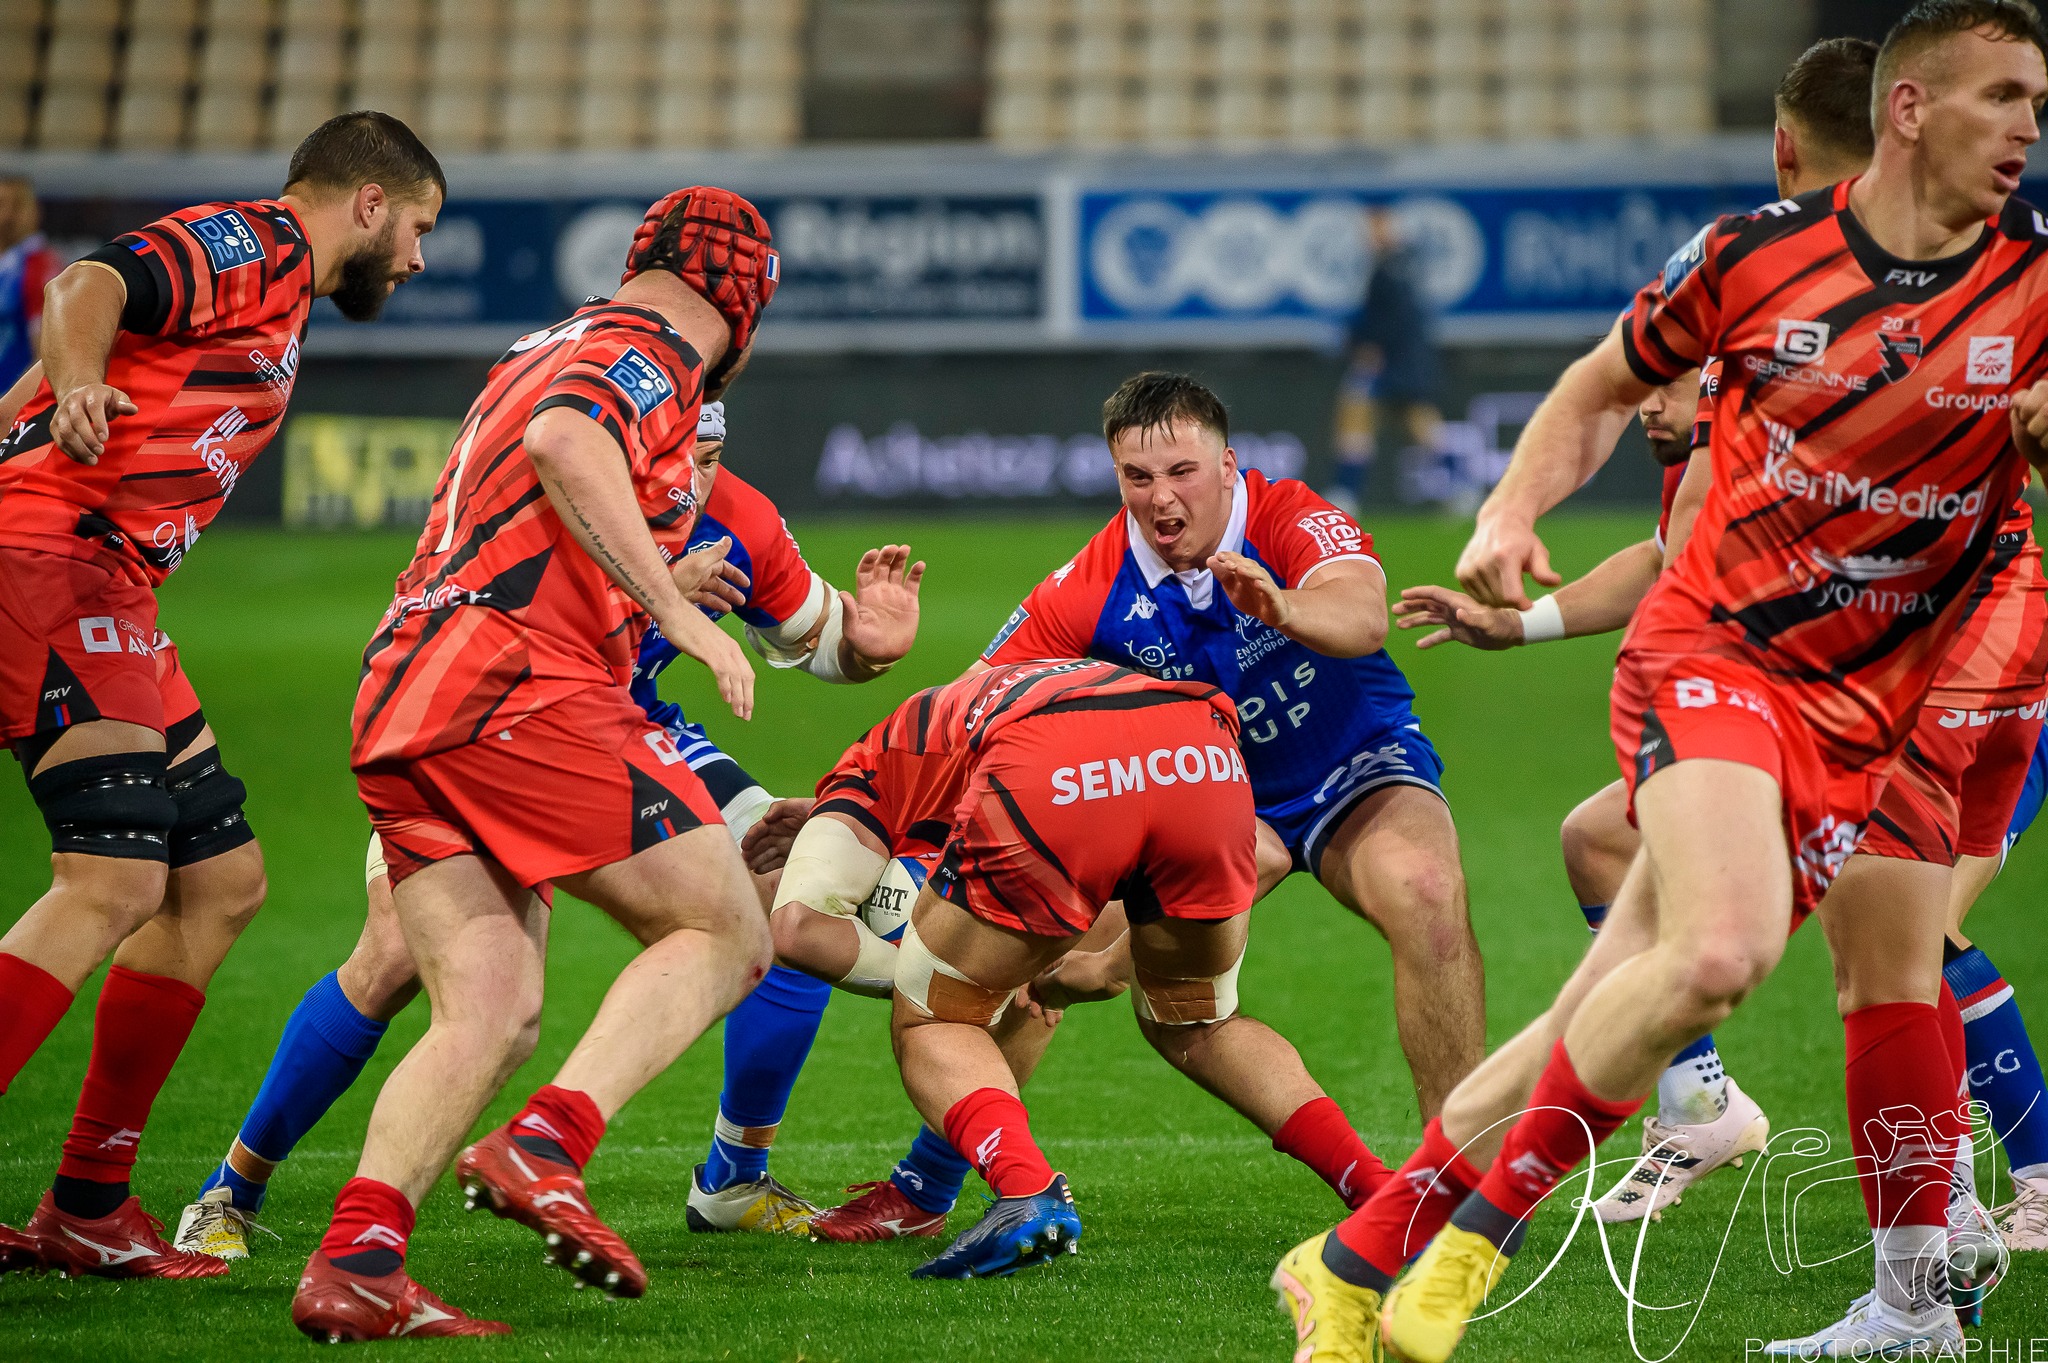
(1014, 1233)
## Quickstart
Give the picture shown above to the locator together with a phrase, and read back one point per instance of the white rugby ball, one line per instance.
(887, 910)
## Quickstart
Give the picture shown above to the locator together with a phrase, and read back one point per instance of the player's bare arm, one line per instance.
(1601, 601)
(587, 482)
(1686, 503)
(17, 397)
(81, 317)
(2030, 425)
(1565, 443)
(1340, 611)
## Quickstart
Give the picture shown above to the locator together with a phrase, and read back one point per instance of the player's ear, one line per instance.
(1229, 464)
(371, 204)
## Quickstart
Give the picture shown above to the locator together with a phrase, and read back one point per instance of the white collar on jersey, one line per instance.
(1199, 583)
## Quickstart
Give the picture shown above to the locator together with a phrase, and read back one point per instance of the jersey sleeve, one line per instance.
(1297, 532)
(781, 579)
(1058, 618)
(1676, 319)
(633, 383)
(209, 267)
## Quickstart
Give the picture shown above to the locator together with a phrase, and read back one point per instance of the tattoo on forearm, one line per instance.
(599, 550)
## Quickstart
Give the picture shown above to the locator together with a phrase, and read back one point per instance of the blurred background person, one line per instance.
(26, 264)
(1392, 369)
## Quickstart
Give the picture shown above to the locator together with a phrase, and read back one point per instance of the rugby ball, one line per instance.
(887, 910)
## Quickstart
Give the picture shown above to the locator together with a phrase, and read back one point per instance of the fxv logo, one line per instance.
(1912, 279)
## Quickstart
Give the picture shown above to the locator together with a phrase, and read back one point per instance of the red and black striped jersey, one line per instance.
(210, 372)
(1862, 453)
(501, 612)
(1999, 655)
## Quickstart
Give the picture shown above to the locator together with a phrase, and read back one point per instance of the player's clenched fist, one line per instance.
(1457, 618)
(2030, 423)
(78, 422)
(1499, 553)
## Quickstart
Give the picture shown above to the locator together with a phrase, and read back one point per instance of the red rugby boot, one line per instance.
(548, 1196)
(19, 1252)
(881, 1212)
(333, 1305)
(125, 1243)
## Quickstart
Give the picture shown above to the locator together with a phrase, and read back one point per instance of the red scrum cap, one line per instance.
(718, 244)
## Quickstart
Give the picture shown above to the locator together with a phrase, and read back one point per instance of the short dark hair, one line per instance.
(1932, 21)
(1827, 91)
(1156, 399)
(365, 147)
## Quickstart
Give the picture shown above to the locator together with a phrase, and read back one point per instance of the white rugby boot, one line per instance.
(2023, 1222)
(760, 1204)
(1677, 1156)
(215, 1225)
(1873, 1330)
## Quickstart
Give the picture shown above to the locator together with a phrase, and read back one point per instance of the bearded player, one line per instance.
(1773, 675)
(500, 753)
(794, 619)
(168, 358)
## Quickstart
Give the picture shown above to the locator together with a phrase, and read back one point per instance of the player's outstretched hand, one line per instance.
(78, 423)
(2030, 423)
(1496, 558)
(1456, 618)
(1250, 588)
(1080, 977)
(692, 632)
(880, 623)
(708, 579)
(765, 848)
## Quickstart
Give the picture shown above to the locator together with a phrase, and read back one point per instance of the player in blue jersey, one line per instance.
(794, 618)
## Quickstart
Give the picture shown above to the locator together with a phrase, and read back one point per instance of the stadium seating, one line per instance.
(471, 75)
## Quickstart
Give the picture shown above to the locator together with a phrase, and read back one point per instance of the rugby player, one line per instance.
(1703, 1120)
(1773, 675)
(899, 792)
(169, 356)
(500, 753)
(792, 616)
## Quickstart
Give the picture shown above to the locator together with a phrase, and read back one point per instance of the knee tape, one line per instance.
(113, 805)
(874, 970)
(1181, 1003)
(373, 863)
(209, 800)
(939, 991)
(829, 870)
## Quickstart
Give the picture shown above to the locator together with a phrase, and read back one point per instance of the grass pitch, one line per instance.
(1185, 1206)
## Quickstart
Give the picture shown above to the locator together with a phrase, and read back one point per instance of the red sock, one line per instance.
(1902, 1102)
(1319, 1135)
(567, 1117)
(368, 1215)
(1950, 1010)
(35, 1001)
(993, 1130)
(1411, 1205)
(1550, 1139)
(141, 1025)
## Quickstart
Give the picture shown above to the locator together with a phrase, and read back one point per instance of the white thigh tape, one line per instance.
(939, 991)
(829, 869)
(874, 971)
(373, 865)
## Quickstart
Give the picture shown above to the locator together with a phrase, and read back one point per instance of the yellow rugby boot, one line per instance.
(1425, 1314)
(1334, 1321)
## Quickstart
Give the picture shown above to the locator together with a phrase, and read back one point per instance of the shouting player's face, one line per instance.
(389, 258)
(1176, 483)
(1667, 418)
(1979, 118)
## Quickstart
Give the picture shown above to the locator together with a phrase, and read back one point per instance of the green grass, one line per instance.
(1186, 1207)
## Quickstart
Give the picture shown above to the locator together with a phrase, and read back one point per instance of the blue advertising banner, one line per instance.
(1490, 255)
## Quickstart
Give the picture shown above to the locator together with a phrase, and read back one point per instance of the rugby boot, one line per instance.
(1872, 1330)
(548, 1198)
(1334, 1321)
(333, 1305)
(881, 1212)
(760, 1204)
(1677, 1156)
(126, 1243)
(1425, 1313)
(19, 1252)
(1977, 1257)
(215, 1225)
(1014, 1233)
(2023, 1222)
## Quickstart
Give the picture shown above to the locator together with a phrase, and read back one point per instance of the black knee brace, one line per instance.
(114, 805)
(209, 802)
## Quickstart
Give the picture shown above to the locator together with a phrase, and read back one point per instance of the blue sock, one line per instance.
(767, 1039)
(2005, 1074)
(1704, 1046)
(932, 1174)
(325, 1045)
(1596, 914)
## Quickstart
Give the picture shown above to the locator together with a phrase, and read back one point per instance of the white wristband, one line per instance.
(1542, 622)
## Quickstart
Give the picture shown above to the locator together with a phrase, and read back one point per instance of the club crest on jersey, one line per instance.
(641, 380)
(229, 240)
(1898, 347)
(1801, 342)
(1990, 360)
